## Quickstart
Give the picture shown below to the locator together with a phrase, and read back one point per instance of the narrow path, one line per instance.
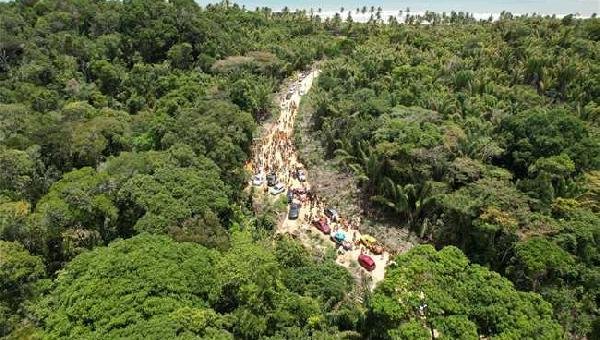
(275, 152)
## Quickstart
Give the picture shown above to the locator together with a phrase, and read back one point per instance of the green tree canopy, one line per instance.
(19, 272)
(147, 286)
(431, 289)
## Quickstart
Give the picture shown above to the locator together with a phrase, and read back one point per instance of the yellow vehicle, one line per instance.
(367, 239)
(371, 243)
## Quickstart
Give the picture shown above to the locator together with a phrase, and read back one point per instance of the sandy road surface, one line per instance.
(275, 152)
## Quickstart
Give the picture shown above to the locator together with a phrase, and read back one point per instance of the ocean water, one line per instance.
(481, 8)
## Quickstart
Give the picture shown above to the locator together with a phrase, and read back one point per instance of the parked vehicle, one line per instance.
(294, 211)
(301, 175)
(376, 248)
(271, 179)
(257, 180)
(366, 262)
(338, 237)
(347, 245)
(367, 240)
(322, 225)
(290, 196)
(331, 213)
(277, 189)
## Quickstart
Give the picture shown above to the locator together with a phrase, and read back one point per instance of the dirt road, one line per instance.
(275, 153)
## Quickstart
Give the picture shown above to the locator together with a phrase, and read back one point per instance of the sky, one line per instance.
(560, 7)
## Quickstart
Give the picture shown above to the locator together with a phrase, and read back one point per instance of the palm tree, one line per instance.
(349, 17)
(566, 71)
(366, 165)
(409, 201)
(535, 71)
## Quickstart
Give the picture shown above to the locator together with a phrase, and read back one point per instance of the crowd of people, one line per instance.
(275, 154)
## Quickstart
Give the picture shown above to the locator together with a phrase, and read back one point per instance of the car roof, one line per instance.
(367, 259)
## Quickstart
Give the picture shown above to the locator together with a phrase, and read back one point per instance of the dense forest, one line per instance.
(485, 137)
(125, 128)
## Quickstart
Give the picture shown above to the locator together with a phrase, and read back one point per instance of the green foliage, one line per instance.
(19, 269)
(461, 299)
(481, 135)
(124, 117)
(20, 173)
(539, 258)
(19, 272)
(82, 198)
(253, 94)
(531, 135)
(455, 327)
(550, 177)
(118, 118)
(326, 281)
(410, 330)
(146, 286)
(181, 56)
(154, 287)
(171, 195)
(107, 75)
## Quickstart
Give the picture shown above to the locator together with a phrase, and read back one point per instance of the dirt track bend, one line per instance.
(275, 151)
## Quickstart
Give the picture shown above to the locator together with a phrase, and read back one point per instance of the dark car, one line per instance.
(294, 211)
(290, 196)
(271, 179)
(366, 262)
(322, 225)
(331, 213)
